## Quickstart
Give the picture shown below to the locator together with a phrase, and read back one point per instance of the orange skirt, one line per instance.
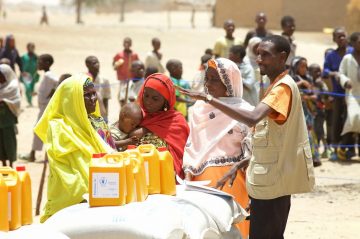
(238, 190)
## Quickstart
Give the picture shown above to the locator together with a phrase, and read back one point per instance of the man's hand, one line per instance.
(231, 174)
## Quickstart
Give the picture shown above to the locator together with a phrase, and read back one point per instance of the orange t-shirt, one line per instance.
(279, 99)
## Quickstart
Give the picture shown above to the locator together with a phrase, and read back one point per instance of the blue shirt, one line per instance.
(332, 63)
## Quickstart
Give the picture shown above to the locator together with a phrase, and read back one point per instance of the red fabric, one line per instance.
(124, 71)
(169, 125)
(160, 87)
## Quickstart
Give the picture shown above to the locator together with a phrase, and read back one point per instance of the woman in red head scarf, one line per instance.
(162, 125)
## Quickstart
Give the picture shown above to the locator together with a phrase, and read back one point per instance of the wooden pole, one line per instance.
(41, 187)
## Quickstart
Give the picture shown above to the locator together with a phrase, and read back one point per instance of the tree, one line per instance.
(78, 11)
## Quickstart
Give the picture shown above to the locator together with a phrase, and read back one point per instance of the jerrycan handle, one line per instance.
(8, 170)
(146, 148)
(136, 164)
(113, 158)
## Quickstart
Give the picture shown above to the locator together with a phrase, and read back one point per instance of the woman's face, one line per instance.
(90, 99)
(214, 84)
(153, 100)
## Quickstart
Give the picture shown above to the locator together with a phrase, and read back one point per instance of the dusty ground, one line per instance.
(331, 211)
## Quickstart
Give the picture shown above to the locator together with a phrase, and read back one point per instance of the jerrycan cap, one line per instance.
(162, 149)
(99, 155)
(20, 168)
(131, 146)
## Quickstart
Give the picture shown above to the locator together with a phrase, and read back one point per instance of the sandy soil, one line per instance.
(331, 211)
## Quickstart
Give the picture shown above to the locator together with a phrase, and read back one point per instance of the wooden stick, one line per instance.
(41, 187)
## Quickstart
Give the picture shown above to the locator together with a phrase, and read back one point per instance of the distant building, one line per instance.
(310, 15)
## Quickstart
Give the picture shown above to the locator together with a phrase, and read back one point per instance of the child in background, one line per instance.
(250, 91)
(153, 58)
(199, 78)
(137, 72)
(260, 30)
(350, 80)
(122, 64)
(9, 110)
(29, 76)
(175, 69)
(102, 85)
(288, 27)
(223, 44)
(130, 118)
(331, 71)
(321, 98)
(47, 88)
(299, 72)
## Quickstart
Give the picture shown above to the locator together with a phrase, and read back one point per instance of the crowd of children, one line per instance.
(328, 94)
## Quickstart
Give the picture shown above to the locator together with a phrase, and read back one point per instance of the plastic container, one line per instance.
(4, 214)
(107, 181)
(140, 187)
(152, 167)
(167, 173)
(14, 196)
(26, 196)
(130, 182)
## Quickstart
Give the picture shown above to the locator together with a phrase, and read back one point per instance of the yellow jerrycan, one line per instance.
(130, 182)
(26, 196)
(167, 173)
(152, 167)
(140, 186)
(14, 196)
(107, 181)
(4, 217)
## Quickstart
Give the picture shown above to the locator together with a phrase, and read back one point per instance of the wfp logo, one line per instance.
(103, 181)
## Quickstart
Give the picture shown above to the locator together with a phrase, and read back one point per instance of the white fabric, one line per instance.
(48, 84)
(349, 72)
(10, 90)
(250, 55)
(188, 215)
(36, 231)
(103, 87)
(152, 60)
(210, 126)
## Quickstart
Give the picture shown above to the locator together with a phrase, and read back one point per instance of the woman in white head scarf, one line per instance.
(216, 141)
(9, 110)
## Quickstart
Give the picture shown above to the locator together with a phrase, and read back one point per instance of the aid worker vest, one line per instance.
(281, 163)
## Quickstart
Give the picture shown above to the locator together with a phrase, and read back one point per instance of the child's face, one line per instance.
(93, 66)
(233, 57)
(138, 71)
(127, 44)
(289, 28)
(177, 71)
(41, 64)
(31, 48)
(229, 28)
(156, 45)
(340, 38)
(315, 72)
(302, 68)
(261, 20)
(129, 123)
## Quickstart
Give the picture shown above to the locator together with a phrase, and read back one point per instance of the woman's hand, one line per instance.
(192, 94)
(231, 174)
